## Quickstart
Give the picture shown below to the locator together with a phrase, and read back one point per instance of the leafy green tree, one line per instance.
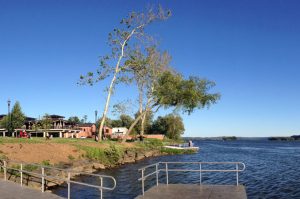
(146, 70)
(123, 121)
(84, 119)
(108, 123)
(173, 91)
(175, 126)
(131, 33)
(126, 120)
(45, 122)
(16, 116)
(116, 123)
(145, 124)
(170, 125)
(4, 122)
(159, 126)
(74, 120)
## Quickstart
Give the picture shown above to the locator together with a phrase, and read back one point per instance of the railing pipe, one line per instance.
(101, 190)
(43, 179)
(4, 169)
(237, 174)
(143, 188)
(69, 185)
(156, 167)
(237, 169)
(200, 173)
(21, 174)
(167, 173)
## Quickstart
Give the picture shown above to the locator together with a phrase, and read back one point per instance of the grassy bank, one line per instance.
(58, 151)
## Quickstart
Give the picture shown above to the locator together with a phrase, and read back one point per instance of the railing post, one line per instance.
(101, 190)
(237, 174)
(156, 166)
(21, 174)
(4, 169)
(167, 174)
(143, 183)
(200, 173)
(69, 185)
(43, 179)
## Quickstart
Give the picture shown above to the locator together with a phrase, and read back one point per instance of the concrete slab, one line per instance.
(11, 190)
(186, 191)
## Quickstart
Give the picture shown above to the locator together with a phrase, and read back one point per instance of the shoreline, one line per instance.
(82, 156)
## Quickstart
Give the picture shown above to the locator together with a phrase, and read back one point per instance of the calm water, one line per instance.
(272, 170)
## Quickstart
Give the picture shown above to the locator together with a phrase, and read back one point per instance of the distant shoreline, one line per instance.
(230, 138)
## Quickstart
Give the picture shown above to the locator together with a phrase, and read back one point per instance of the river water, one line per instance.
(272, 170)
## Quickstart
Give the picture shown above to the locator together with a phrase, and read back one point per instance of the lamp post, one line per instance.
(96, 112)
(8, 117)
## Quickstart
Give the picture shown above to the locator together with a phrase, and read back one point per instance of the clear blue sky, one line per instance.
(249, 48)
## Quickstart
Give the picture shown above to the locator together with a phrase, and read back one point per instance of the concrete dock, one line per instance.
(185, 191)
(11, 190)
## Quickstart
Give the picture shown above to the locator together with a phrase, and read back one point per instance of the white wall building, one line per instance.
(119, 131)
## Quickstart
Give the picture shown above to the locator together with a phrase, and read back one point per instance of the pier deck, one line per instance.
(185, 191)
(11, 190)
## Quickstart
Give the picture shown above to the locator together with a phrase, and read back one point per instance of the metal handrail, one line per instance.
(239, 167)
(68, 180)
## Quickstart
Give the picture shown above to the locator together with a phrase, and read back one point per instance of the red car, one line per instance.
(23, 134)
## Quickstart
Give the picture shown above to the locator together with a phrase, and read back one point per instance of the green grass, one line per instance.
(5, 140)
(107, 156)
(176, 151)
(30, 167)
(46, 163)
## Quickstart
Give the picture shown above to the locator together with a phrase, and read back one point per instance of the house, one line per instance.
(86, 130)
(107, 131)
(119, 132)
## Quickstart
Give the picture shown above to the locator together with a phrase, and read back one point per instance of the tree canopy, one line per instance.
(170, 125)
(17, 118)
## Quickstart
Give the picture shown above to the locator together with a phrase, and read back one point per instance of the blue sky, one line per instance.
(249, 48)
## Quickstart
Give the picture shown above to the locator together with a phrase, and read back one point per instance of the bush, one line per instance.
(113, 154)
(108, 156)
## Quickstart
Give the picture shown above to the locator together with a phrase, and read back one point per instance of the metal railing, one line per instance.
(68, 180)
(239, 167)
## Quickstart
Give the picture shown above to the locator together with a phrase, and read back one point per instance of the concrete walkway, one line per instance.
(11, 190)
(186, 191)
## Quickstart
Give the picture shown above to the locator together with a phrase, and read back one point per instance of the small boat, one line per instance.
(185, 146)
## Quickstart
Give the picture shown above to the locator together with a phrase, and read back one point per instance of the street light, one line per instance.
(8, 116)
(96, 112)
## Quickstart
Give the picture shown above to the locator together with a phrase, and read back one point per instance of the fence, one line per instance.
(68, 180)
